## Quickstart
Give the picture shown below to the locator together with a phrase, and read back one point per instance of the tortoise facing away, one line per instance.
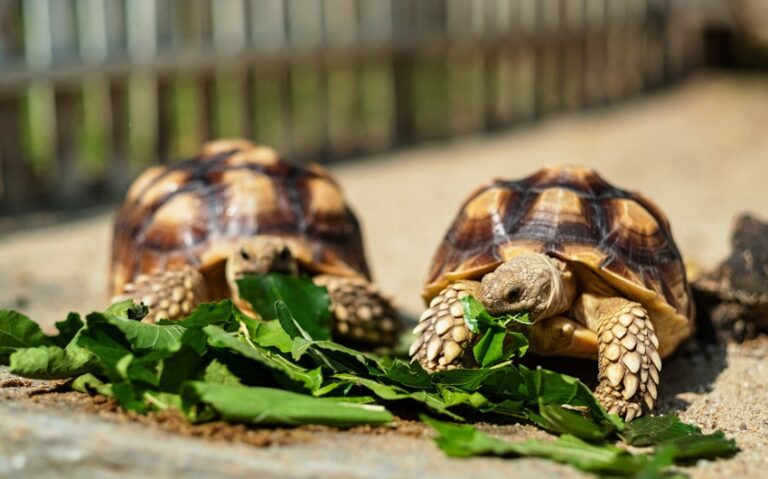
(735, 294)
(188, 231)
(595, 267)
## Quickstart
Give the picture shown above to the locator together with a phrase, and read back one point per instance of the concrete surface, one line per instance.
(699, 150)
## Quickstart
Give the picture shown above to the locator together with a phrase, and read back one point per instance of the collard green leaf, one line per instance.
(68, 329)
(388, 392)
(18, 331)
(464, 441)
(235, 342)
(127, 310)
(205, 314)
(271, 334)
(142, 336)
(274, 406)
(650, 430)
(308, 303)
(498, 341)
(90, 384)
(52, 362)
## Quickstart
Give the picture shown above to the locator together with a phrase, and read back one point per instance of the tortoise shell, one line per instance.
(195, 211)
(610, 236)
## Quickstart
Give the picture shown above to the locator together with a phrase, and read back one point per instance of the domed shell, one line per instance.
(194, 212)
(608, 234)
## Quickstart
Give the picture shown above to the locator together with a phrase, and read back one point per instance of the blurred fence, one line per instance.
(92, 91)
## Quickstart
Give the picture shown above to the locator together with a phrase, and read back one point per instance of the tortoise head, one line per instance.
(532, 283)
(259, 255)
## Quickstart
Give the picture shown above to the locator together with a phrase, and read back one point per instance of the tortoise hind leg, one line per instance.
(628, 358)
(170, 294)
(361, 313)
(444, 340)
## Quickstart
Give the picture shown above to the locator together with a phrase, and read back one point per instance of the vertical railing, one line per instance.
(93, 91)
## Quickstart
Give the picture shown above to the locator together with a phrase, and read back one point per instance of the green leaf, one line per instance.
(127, 310)
(68, 329)
(309, 304)
(271, 334)
(650, 430)
(464, 441)
(52, 362)
(90, 384)
(205, 314)
(235, 342)
(394, 393)
(217, 373)
(18, 331)
(498, 342)
(561, 420)
(142, 336)
(256, 405)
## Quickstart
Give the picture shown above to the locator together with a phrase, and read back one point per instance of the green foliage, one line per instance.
(218, 363)
(498, 343)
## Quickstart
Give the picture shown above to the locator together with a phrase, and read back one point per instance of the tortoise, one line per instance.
(735, 293)
(188, 231)
(595, 267)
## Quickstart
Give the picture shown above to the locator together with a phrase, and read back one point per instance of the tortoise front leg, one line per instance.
(628, 357)
(361, 313)
(170, 294)
(444, 338)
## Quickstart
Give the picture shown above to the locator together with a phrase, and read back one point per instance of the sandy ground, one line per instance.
(699, 150)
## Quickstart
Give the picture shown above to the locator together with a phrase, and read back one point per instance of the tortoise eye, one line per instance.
(244, 254)
(513, 295)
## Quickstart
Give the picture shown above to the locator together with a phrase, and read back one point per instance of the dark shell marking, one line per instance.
(570, 213)
(173, 215)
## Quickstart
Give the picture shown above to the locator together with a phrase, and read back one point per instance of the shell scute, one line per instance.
(573, 214)
(192, 212)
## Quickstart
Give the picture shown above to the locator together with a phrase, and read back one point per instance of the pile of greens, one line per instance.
(218, 363)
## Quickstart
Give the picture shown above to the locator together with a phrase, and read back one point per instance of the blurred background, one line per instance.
(411, 102)
(93, 91)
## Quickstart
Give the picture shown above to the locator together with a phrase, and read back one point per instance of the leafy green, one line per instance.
(497, 343)
(219, 363)
(18, 331)
(310, 304)
(52, 362)
(273, 406)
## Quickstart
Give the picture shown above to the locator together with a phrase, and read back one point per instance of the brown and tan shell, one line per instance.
(611, 236)
(194, 211)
